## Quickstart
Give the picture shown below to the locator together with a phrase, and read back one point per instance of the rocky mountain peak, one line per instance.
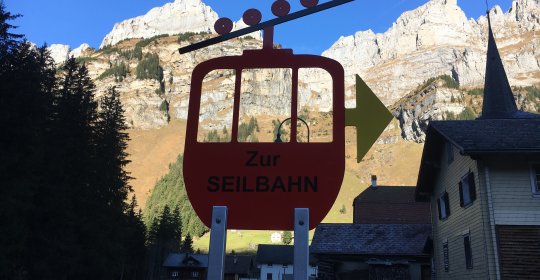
(437, 38)
(181, 16)
(61, 53)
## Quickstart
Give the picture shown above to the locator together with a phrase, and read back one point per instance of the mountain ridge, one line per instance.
(435, 39)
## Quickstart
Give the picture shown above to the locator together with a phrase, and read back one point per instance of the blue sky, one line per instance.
(74, 22)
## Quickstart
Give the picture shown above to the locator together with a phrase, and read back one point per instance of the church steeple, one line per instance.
(498, 98)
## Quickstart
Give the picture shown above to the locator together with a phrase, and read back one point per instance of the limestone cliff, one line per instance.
(437, 39)
(181, 16)
(432, 40)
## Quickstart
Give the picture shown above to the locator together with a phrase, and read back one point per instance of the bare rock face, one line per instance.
(431, 40)
(59, 52)
(172, 18)
(80, 51)
(434, 102)
(437, 39)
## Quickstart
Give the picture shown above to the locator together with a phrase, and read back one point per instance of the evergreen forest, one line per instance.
(66, 207)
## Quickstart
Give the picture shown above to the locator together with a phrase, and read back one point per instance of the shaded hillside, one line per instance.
(170, 191)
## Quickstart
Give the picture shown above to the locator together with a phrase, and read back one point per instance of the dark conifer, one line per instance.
(8, 40)
(26, 82)
(111, 144)
(187, 245)
(62, 200)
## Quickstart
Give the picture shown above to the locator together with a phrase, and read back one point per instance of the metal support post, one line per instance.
(301, 243)
(218, 238)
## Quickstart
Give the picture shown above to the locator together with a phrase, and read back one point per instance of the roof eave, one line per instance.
(500, 152)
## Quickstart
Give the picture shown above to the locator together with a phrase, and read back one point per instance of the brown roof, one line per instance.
(390, 205)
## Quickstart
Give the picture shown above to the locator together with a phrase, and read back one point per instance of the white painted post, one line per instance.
(218, 238)
(301, 243)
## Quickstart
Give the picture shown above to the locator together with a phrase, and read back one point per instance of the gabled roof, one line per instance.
(237, 264)
(186, 260)
(475, 138)
(371, 239)
(491, 135)
(277, 254)
(234, 264)
(386, 194)
(390, 205)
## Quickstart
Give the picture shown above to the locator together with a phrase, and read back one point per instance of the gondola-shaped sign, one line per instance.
(262, 183)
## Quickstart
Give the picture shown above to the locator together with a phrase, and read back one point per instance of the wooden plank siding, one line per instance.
(519, 251)
(513, 200)
(462, 220)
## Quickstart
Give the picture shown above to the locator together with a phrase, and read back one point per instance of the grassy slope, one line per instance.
(151, 151)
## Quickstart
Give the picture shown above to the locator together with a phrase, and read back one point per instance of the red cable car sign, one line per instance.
(262, 183)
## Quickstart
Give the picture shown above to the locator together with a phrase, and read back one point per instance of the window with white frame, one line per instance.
(535, 178)
(444, 206)
(467, 190)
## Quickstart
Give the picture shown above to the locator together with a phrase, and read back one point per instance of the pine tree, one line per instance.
(187, 245)
(8, 40)
(111, 144)
(164, 238)
(26, 83)
(127, 232)
(79, 213)
(134, 239)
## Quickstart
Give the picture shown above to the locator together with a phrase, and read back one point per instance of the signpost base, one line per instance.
(218, 238)
(301, 243)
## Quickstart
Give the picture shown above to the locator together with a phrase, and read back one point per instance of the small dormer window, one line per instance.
(535, 178)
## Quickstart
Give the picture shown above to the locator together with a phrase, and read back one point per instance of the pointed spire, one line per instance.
(498, 98)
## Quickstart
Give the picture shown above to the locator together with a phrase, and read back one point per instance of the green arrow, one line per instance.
(370, 117)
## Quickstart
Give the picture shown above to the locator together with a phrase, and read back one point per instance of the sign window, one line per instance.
(216, 108)
(265, 102)
(314, 105)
